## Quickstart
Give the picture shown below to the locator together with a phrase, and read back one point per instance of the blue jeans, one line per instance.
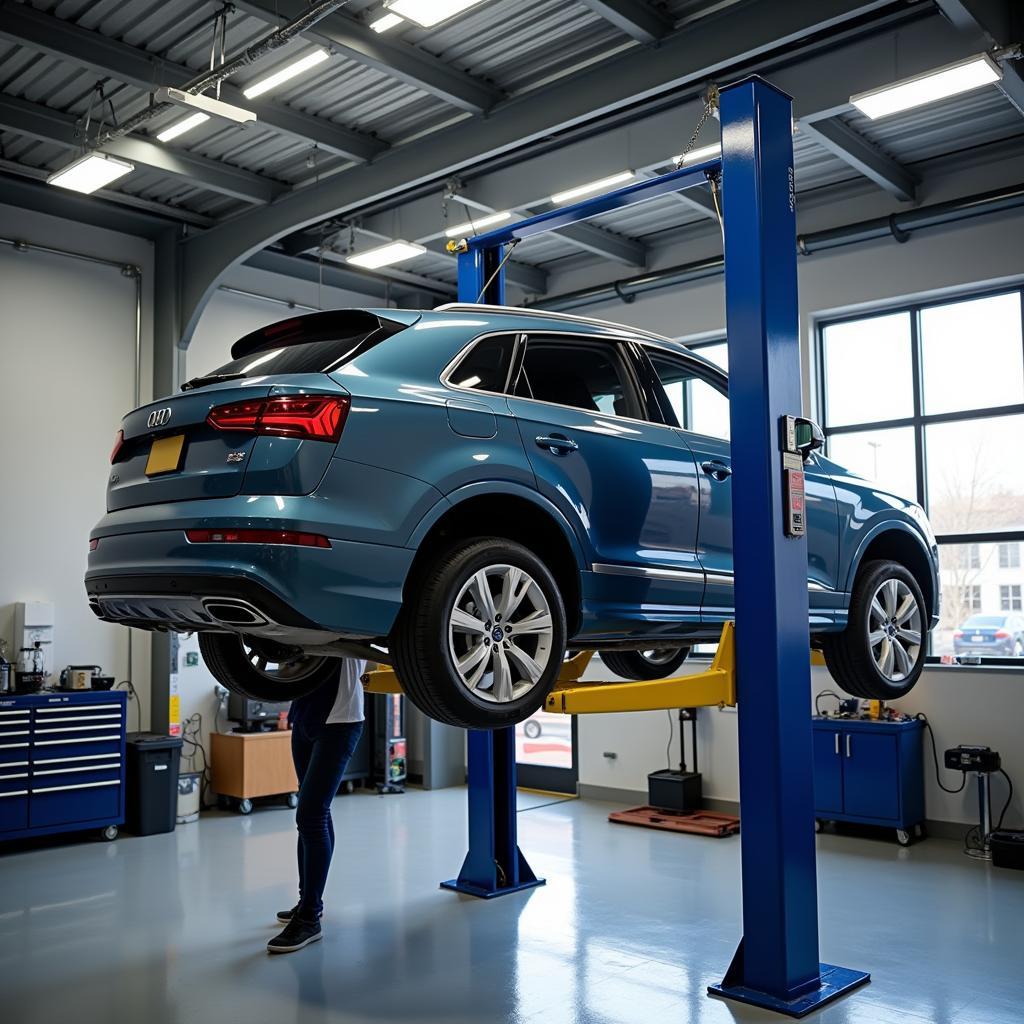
(320, 753)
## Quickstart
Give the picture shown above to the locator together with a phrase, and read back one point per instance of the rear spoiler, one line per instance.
(330, 325)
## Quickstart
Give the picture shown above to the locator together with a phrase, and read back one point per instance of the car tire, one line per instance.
(234, 665)
(439, 625)
(887, 667)
(653, 664)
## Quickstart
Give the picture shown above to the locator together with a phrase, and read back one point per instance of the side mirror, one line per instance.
(809, 437)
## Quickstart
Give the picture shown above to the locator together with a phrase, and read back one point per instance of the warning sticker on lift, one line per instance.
(794, 496)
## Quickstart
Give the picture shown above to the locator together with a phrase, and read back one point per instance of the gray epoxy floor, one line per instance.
(632, 926)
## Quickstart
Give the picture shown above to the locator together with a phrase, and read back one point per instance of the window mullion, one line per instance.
(916, 378)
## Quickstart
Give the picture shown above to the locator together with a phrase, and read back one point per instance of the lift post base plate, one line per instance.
(835, 982)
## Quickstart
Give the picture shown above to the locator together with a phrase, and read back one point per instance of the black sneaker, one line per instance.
(297, 933)
(284, 916)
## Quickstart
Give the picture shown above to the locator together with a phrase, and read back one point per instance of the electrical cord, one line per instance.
(920, 716)
(191, 737)
(1009, 798)
(671, 736)
(133, 695)
(824, 693)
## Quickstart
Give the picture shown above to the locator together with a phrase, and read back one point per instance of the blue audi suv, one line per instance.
(467, 494)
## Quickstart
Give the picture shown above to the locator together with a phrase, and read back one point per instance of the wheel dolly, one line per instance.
(776, 965)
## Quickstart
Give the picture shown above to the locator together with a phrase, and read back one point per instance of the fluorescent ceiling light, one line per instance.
(695, 156)
(207, 104)
(429, 12)
(473, 227)
(385, 22)
(285, 74)
(601, 185)
(950, 80)
(90, 172)
(186, 124)
(385, 255)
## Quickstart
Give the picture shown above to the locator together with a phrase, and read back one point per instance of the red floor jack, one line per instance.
(674, 797)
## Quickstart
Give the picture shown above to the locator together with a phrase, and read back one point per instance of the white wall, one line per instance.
(67, 350)
(963, 706)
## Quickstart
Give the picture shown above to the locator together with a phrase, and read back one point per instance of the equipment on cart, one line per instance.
(389, 747)
(85, 677)
(255, 715)
(983, 761)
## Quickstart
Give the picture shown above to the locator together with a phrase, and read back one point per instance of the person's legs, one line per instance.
(332, 749)
(302, 753)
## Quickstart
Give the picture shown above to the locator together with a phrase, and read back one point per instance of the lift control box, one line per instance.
(793, 485)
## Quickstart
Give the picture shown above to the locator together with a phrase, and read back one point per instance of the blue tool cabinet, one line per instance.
(62, 763)
(870, 773)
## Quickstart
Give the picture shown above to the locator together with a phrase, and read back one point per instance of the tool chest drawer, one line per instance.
(62, 762)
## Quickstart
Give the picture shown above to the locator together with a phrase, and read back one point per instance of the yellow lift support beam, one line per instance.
(715, 687)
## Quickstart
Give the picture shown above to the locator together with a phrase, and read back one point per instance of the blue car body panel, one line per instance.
(649, 530)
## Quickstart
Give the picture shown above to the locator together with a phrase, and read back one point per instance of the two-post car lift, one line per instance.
(766, 671)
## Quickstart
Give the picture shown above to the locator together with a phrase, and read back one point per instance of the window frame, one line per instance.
(715, 377)
(518, 346)
(919, 420)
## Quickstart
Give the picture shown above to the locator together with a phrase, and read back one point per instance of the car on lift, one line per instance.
(468, 494)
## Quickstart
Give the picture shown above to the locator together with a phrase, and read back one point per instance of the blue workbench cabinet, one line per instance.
(62, 763)
(870, 773)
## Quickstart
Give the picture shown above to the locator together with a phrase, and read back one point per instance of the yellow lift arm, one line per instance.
(716, 687)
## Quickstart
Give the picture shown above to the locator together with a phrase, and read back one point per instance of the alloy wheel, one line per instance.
(500, 633)
(660, 657)
(291, 671)
(894, 629)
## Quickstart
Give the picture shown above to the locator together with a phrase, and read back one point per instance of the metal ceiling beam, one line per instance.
(358, 42)
(1001, 23)
(103, 55)
(39, 122)
(634, 17)
(377, 282)
(708, 49)
(593, 239)
(835, 135)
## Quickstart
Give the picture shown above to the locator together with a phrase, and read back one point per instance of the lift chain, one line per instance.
(710, 108)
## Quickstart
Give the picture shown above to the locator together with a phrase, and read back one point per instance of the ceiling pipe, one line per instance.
(270, 42)
(898, 226)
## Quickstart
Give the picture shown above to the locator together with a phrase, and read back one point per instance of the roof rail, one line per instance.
(472, 307)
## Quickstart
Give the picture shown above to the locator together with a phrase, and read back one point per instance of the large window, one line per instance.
(928, 401)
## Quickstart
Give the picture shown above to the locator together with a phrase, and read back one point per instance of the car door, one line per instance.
(697, 396)
(626, 484)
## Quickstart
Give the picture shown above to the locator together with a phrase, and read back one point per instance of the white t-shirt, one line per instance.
(348, 705)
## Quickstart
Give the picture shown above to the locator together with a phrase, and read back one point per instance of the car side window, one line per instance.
(485, 366)
(700, 403)
(584, 375)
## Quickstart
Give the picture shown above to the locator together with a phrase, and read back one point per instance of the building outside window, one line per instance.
(928, 401)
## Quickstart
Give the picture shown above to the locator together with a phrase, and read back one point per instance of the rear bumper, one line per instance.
(158, 580)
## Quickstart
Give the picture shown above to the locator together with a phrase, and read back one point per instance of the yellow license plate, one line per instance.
(165, 455)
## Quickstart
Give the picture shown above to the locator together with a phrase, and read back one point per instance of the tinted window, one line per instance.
(317, 343)
(698, 404)
(485, 367)
(583, 376)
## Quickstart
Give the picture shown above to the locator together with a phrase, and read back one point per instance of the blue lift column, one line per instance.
(494, 865)
(776, 965)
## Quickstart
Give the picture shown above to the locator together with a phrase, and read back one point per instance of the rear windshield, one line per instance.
(317, 343)
(985, 620)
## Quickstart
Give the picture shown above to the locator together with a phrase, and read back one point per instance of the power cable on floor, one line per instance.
(935, 758)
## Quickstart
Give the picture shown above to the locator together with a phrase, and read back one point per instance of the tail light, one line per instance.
(118, 445)
(958, 634)
(1001, 634)
(293, 537)
(94, 543)
(312, 417)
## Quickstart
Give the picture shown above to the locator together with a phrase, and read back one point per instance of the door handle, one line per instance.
(837, 744)
(716, 470)
(557, 444)
(848, 750)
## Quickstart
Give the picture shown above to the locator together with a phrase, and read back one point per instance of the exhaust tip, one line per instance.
(234, 613)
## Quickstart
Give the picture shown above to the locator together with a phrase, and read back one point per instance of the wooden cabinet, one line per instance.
(252, 764)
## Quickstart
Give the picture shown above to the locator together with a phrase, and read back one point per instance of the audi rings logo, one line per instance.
(159, 417)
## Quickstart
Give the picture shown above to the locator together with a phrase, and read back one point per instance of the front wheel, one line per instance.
(482, 635)
(259, 672)
(880, 654)
(654, 664)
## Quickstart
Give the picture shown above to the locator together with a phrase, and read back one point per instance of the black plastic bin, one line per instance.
(151, 800)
